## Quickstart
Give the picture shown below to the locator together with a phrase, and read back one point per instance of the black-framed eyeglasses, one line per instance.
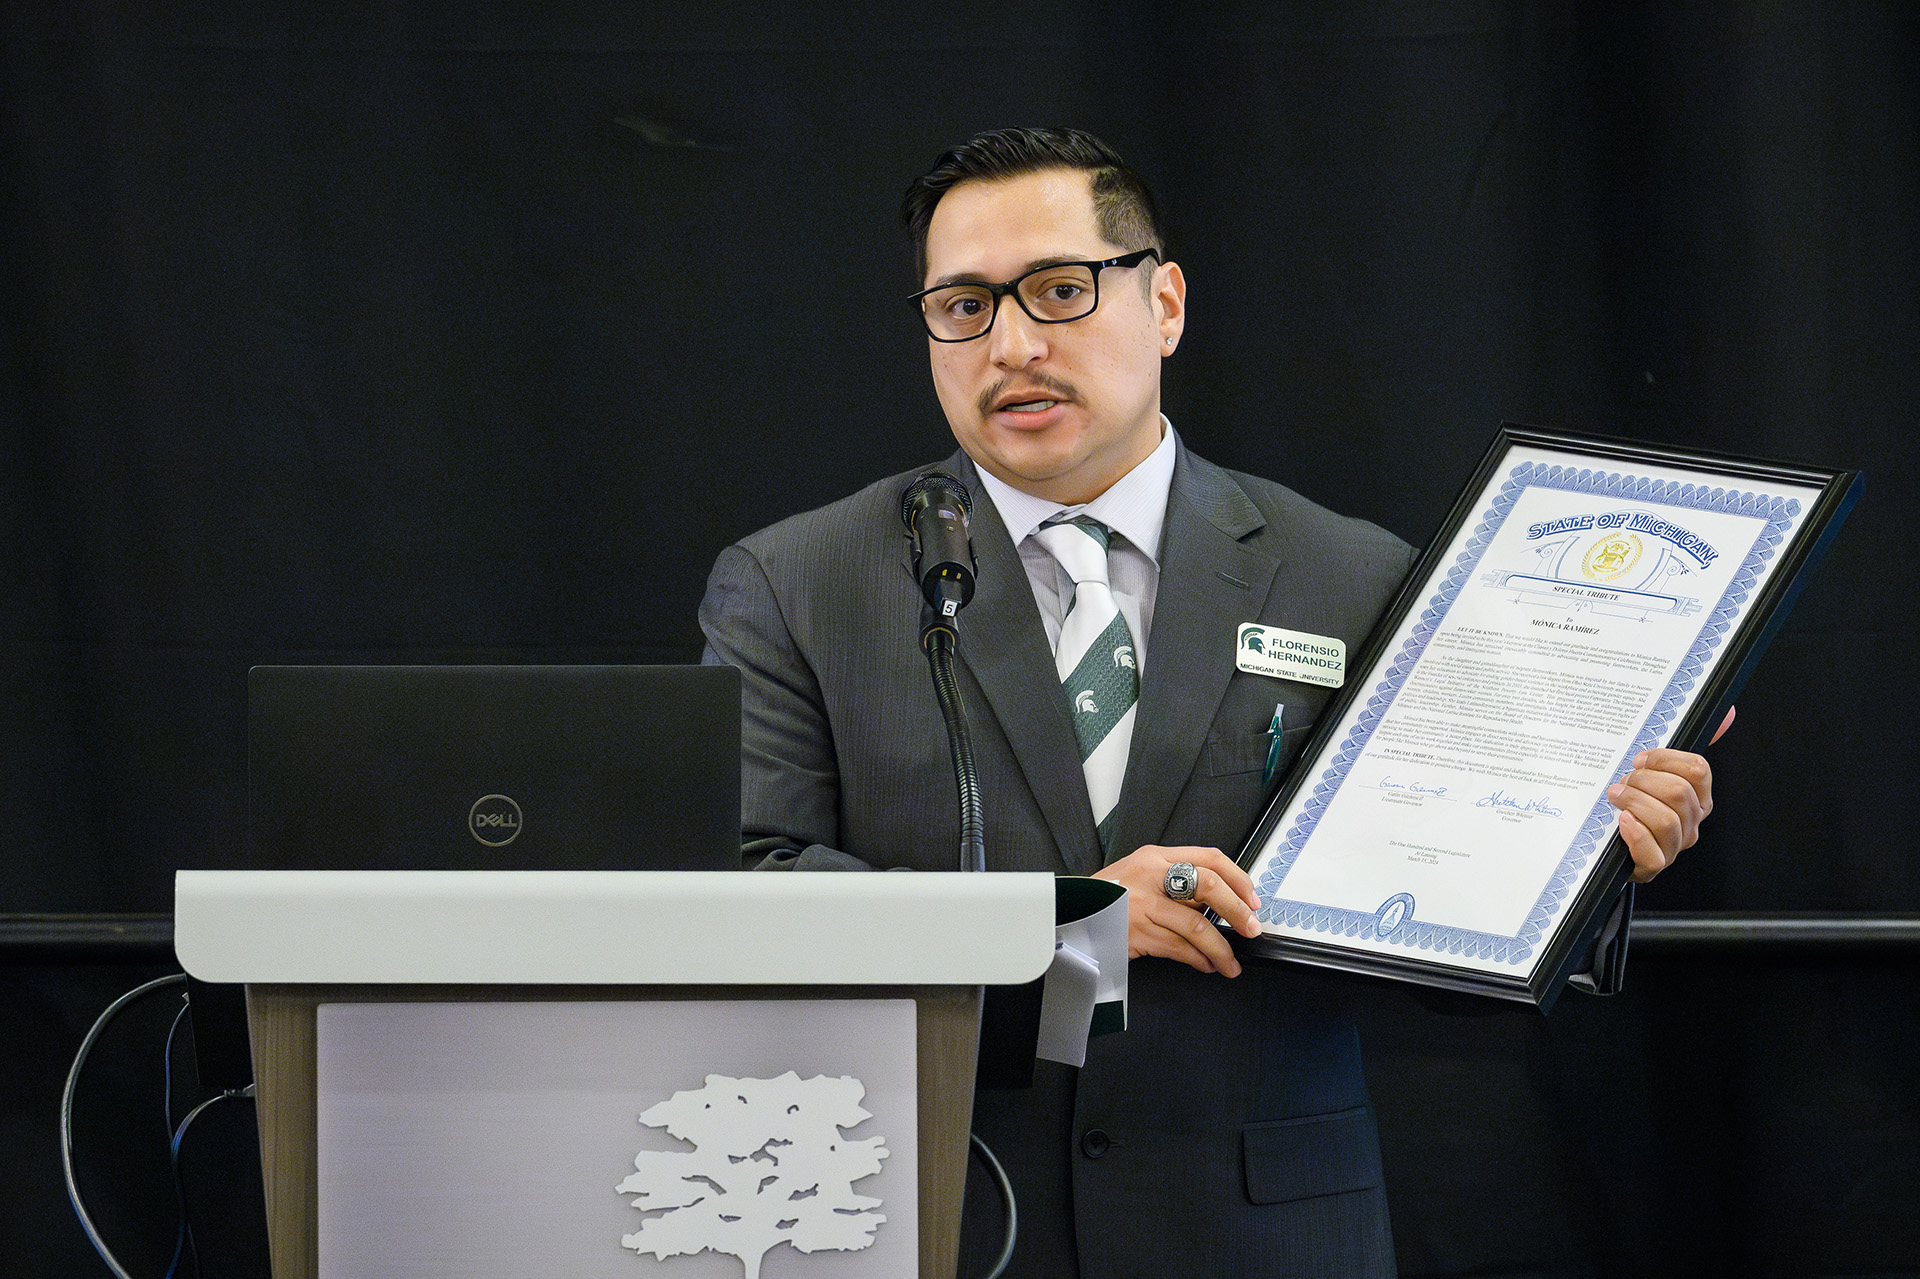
(1051, 294)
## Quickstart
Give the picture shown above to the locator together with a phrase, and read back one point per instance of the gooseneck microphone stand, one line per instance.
(939, 638)
(935, 509)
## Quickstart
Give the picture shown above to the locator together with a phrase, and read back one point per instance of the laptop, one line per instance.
(493, 767)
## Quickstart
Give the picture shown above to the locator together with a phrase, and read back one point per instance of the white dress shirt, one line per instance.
(1134, 507)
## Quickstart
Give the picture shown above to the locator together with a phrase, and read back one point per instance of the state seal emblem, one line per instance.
(1612, 557)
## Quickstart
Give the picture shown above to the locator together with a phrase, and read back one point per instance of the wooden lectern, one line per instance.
(300, 941)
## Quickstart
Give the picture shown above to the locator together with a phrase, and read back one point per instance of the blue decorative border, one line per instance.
(1416, 934)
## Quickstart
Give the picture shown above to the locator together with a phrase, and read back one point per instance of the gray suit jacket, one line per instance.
(1227, 1131)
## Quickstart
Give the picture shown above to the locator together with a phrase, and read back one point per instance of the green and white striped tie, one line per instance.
(1095, 660)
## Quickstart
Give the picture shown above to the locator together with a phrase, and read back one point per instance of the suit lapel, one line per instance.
(1005, 647)
(1209, 583)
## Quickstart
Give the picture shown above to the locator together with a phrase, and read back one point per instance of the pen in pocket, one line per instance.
(1273, 748)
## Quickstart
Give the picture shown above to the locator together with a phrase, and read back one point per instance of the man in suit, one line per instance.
(1227, 1131)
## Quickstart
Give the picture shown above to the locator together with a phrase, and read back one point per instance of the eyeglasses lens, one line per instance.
(1051, 294)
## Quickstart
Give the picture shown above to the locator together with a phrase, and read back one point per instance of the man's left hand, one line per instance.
(1662, 802)
(1179, 930)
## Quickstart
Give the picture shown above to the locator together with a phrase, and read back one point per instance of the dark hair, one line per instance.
(1122, 202)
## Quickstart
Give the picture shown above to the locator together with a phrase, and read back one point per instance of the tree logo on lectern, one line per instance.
(769, 1166)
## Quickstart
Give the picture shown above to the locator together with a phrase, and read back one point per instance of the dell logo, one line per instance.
(494, 820)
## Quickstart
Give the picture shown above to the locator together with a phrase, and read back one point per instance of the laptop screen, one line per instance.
(493, 767)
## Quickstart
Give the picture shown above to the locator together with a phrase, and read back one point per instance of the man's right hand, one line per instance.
(1159, 925)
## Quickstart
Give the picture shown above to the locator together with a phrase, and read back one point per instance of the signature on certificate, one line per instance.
(1412, 788)
(1513, 804)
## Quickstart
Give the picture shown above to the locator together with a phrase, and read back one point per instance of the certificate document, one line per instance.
(1588, 600)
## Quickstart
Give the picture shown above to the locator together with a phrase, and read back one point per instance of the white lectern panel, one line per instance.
(612, 927)
(670, 1139)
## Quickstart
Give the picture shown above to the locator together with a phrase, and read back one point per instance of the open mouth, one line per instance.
(1032, 398)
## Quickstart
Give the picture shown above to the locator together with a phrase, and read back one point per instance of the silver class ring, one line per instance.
(1183, 881)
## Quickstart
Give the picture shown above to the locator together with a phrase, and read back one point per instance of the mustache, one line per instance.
(1061, 390)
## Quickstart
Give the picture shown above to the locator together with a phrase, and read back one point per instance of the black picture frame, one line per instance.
(1592, 907)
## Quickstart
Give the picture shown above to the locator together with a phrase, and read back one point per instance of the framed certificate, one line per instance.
(1587, 599)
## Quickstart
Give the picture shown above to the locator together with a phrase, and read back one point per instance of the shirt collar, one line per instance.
(1134, 506)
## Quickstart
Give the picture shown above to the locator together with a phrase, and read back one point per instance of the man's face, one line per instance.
(1058, 410)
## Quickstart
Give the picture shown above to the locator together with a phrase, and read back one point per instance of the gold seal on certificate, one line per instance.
(1586, 600)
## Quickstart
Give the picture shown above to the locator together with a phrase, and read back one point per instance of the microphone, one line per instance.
(935, 509)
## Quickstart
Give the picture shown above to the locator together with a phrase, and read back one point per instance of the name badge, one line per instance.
(1295, 655)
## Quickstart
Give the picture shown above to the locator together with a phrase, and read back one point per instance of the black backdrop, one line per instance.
(429, 332)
